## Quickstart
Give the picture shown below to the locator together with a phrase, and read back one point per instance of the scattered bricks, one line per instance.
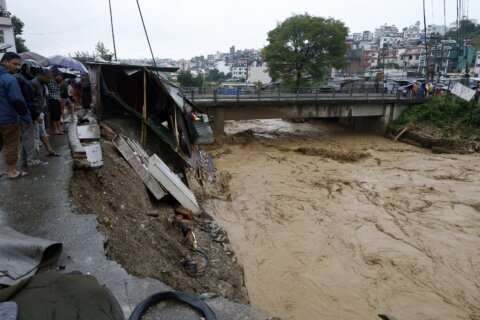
(186, 214)
(153, 213)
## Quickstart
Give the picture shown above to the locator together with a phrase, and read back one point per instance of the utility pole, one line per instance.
(426, 43)
(113, 34)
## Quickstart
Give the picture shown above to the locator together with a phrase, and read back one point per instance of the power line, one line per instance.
(146, 34)
(71, 29)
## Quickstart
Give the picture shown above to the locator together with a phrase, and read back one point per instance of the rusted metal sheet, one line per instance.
(172, 183)
(141, 170)
(88, 132)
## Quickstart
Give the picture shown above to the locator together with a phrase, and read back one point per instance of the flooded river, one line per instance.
(333, 224)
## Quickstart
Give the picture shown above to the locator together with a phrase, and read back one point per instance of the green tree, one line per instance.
(17, 31)
(186, 79)
(83, 56)
(303, 47)
(100, 51)
(215, 76)
(103, 52)
(467, 30)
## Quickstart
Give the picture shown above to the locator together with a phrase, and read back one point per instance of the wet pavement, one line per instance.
(38, 205)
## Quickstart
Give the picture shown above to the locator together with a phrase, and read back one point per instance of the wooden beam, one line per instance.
(141, 170)
(144, 110)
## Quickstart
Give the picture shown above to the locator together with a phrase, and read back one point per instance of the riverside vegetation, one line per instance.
(444, 124)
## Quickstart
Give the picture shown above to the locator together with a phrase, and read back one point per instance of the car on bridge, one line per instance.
(236, 88)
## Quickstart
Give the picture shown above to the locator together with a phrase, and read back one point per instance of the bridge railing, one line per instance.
(360, 92)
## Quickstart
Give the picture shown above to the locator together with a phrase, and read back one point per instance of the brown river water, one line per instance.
(334, 224)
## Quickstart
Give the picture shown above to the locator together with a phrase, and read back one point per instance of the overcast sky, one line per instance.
(186, 28)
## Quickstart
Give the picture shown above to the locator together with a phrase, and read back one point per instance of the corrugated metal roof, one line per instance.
(161, 68)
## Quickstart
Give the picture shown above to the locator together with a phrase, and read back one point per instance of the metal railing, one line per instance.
(300, 94)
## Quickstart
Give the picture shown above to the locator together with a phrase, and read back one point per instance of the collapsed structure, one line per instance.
(157, 111)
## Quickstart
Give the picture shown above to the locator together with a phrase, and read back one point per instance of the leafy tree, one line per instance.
(17, 31)
(103, 52)
(467, 30)
(100, 51)
(186, 79)
(216, 76)
(302, 48)
(83, 56)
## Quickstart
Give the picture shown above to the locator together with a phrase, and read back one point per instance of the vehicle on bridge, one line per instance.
(236, 88)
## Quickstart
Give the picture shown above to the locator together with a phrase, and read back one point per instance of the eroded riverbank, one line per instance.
(332, 224)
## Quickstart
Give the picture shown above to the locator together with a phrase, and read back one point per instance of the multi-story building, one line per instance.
(369, 59)
(410, 58)
(389, 41)
(413, 34)
(354, 61)
(239, 71)
(449, 58)
(387, 31)
(367, 36)
(259, 74)
(7, 38)
(357, 37)
(433, 28)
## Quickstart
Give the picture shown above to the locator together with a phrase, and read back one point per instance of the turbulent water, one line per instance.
(333, 224)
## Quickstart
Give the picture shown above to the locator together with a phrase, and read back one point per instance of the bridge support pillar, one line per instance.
(219, 121)
(377, 124)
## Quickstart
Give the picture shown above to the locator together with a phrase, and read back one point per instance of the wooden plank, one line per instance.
(172, 183)
(94, 155)
(152, 184)
(88, 132)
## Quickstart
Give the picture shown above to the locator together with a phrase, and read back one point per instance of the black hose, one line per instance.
(155, 298)
(191, 268)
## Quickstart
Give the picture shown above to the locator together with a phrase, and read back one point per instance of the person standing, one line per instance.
(29, 155)
(54, 102)
(86, 91)
(12, 110)
(40, 96)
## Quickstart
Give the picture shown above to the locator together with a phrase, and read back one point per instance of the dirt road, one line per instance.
(332, 224)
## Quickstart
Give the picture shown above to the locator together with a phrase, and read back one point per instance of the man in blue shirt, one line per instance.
(12, 110)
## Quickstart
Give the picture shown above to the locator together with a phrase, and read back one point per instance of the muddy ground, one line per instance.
(439, 140)
(140, 235)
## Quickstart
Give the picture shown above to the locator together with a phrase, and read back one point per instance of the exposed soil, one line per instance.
(140, 235)
(440, 140)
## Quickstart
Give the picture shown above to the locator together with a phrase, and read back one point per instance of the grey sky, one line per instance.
(185, 28)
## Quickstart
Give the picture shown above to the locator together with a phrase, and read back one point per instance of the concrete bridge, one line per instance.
(362, 111)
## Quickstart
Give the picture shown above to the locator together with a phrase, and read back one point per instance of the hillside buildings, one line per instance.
(405, 52)
(397, 53)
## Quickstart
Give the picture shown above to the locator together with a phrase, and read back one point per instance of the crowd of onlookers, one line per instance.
(34, 100)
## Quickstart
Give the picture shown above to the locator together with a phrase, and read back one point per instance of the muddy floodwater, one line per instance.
(333, 224)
